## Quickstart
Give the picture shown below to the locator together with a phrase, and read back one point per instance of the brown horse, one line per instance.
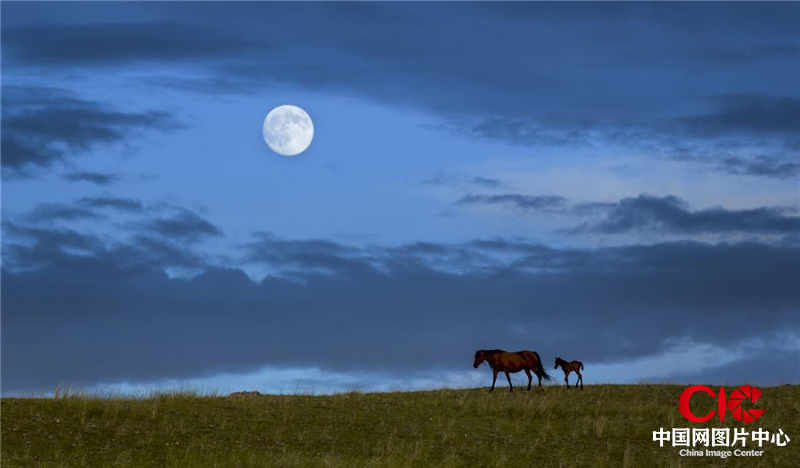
(567, 367)
(507, 362)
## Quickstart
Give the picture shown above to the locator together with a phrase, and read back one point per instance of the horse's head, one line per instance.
(558, 360)
(480, 356)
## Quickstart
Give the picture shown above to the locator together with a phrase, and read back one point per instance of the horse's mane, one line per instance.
(493, 351)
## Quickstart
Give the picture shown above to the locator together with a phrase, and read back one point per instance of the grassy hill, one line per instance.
(604, 425)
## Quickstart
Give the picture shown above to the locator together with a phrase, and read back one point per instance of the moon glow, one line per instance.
(288, 130)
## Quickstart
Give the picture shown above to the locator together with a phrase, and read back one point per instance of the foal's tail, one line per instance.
(579, 362)
(539, 370)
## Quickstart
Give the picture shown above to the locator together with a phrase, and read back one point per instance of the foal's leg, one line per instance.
(580, 379)
(566, 378)
(510, 387)
(530, 379)
(494, 379)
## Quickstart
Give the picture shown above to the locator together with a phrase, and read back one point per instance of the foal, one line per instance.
(568, 367)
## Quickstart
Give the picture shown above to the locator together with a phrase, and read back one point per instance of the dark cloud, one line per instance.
(184, 226)
(729, 138)
(524, 202)
(442, 179)
(159, 252)
(438, 179)
(17, 154)
(525, 131)
(166, 223)
(206, 85)
(439, 257)
(592, 208)
(123, 43)
(28, 247)
(85, 208)
(97, 178)
(757, 366)
(121, 204)
(55, 211)
(321, 255)
(423, 248)
(751, 113)
(779, 168)
(487, 182)
(621, 303)
(671, 214)
(43, 125)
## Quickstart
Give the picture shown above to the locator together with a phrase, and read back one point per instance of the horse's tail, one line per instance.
(539, 370)
(579, 362)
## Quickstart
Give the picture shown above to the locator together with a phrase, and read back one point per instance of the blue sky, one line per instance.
(618, 182)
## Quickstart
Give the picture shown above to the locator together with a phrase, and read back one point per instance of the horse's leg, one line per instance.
(530, 379)
(566, 378)
(580, 379)
(494, 379)
(540, 379)
(510, 387)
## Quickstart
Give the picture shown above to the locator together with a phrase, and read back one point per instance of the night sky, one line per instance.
(614, 183)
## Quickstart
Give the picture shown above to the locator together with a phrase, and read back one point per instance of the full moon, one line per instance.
(288, 130)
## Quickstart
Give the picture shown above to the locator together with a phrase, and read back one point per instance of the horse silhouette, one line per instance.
(503, 361)
(567, 367)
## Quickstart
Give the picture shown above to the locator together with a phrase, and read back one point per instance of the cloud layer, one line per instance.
(41, 126)
(69, 297)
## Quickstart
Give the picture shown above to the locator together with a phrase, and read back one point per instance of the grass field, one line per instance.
(604, 425)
